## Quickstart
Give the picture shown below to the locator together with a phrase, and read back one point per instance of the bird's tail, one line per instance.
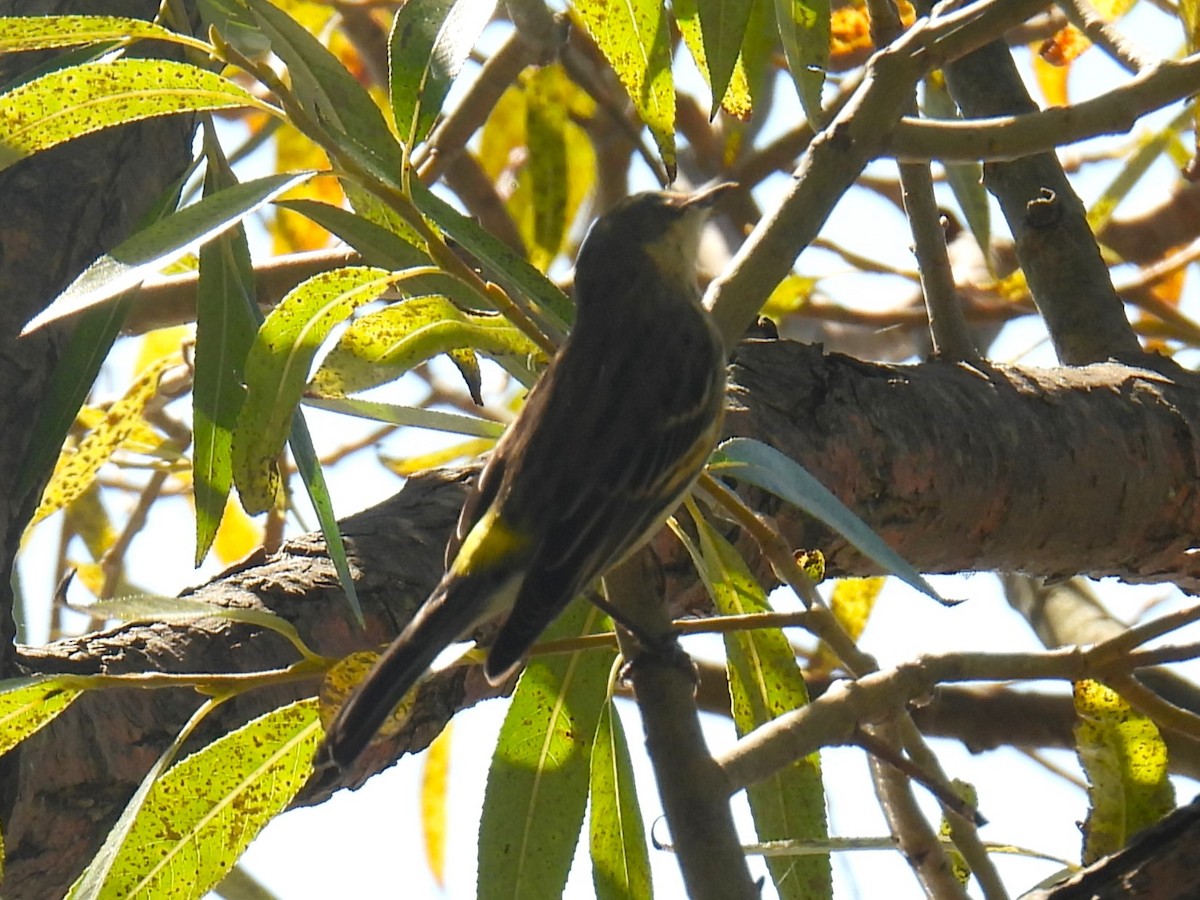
(442, 619)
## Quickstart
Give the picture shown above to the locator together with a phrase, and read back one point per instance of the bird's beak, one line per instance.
(707, 197)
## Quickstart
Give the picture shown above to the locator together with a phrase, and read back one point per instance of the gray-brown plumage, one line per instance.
(609, 440)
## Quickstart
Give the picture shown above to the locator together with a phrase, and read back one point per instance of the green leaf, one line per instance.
(161, 243)
(772, 471)
(70, 103)
(378, 245)
(620, 861)
(764, 683)
(26, 704)
(198, 818)
(277, 368)
(160, 608)
(382, 346)
(804, 31)
(505, 265)
(226, 321)
(635, 38)
(545, 130)
(382, 247)
(451, 423)
(723, 24)
(309, 467)
(430, 41)
(965, 179)
(1151, 147)
(48, 32)
(86, 350)
(234, 22)
(1125, 759)
(537, 783)
(734, 98)
(330, 94)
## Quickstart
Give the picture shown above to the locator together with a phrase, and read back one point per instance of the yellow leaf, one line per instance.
(238, 535)
(160, 343)
(411, 465)
(344, 677)
(435, 791)
(634, 36)
(1125, 759)
(77, 469)
(1052, 79)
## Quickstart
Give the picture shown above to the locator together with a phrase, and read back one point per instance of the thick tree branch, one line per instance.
(1013, 136)
(1055, 246)
(959, 469)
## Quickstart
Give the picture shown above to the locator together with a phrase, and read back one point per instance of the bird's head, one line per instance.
(657, 227)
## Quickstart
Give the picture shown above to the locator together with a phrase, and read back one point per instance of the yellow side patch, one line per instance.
(488, 544)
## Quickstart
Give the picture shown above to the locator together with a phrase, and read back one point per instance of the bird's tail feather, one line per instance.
(440, 621)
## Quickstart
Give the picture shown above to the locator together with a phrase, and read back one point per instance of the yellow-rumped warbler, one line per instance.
(608, 442)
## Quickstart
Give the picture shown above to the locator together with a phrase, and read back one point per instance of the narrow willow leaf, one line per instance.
(546, 92)
(277, 368)
(411, 465)
(1125, 759)
(735, 98)
(87, 519)
(309, 467)
(773, 471)
(92, 881)
(516, 130)
(382, 346)
(226, 322)
(853, 601)
(160, 608)
(506, 266)
(804, 32)
(48, 32)
(617, 838)
(1150, 148)
(330, 94)
(409, 415)
(383, 247)
(198, 818)
(78, 468)
(723, 23)
(235, 23)
(965, 179)
(537, 784)
(378, 246)
(90, 97)
(27, 704)
(86, 350)
(764, 683)
(79, 362)
(758, 51)
(435, 796)
(430, 41)
(635, 38)
(1189, 17)
(159, 244)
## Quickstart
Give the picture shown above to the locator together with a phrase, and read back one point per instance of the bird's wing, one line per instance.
(633, 490)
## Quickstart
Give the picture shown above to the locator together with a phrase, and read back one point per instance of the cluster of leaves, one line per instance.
(249, 374)
(354, 146)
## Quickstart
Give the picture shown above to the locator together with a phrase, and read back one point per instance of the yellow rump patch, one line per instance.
(487, 545)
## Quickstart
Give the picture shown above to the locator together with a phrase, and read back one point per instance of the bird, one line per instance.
(610, 439)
